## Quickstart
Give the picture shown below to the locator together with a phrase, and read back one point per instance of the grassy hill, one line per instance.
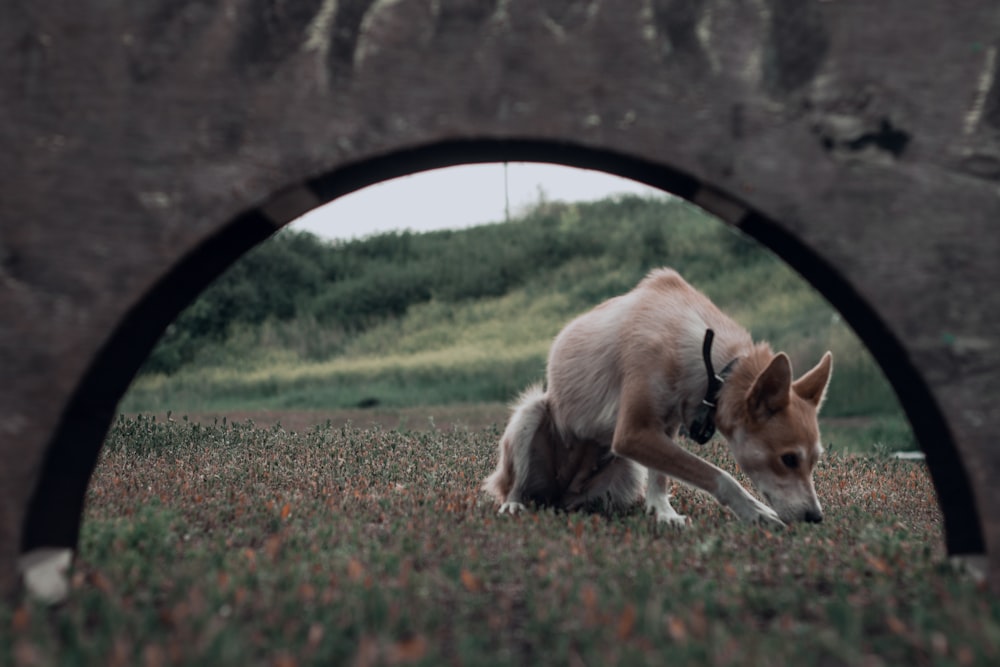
(466, 316)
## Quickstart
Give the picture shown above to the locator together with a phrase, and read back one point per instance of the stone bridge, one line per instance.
(146, 145)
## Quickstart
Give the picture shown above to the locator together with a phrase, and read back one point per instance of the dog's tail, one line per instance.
(530, 413)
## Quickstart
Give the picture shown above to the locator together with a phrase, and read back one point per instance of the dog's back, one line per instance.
(656, 329)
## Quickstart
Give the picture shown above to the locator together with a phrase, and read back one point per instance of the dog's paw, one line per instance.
(675, 520)
(746, 507)
(666, 516)
(767, 517)
(511, 508)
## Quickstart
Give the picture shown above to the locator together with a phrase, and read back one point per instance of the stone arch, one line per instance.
(867, 171)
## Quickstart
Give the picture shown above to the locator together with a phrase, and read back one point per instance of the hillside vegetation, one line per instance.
(466, 316)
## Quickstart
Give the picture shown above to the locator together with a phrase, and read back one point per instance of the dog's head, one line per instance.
(776, 439)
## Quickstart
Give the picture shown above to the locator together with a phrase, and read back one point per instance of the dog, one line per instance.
(627, 376)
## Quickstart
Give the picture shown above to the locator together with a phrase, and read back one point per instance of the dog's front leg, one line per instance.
(643, 440)
(659, 452)
(658, 500)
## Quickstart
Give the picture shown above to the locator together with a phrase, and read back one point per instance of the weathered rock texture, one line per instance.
(144, 146)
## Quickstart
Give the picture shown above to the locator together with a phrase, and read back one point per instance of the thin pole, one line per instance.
(506, 195)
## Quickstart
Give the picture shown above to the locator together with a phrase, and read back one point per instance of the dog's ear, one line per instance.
(771, 391)
(812, 386)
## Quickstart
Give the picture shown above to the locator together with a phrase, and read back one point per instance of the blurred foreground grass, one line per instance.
(233, 544)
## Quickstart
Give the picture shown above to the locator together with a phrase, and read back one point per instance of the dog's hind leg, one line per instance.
(526, 470)
(658, 500)
(535, 475)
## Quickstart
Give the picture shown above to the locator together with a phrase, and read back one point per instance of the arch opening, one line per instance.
(54, 514)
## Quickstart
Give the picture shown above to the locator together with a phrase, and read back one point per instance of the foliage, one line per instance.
(232, 544)
(356, 284)
(272, 281)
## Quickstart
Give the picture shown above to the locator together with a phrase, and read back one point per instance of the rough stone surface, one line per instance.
(139, 141)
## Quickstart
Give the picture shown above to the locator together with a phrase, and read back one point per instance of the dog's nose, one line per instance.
(813, 516)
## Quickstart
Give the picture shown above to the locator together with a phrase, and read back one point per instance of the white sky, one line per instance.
(457, 197)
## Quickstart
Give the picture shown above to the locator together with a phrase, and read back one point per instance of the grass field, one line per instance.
(227, 543)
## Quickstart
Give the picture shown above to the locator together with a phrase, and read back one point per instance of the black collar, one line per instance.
(703, 425)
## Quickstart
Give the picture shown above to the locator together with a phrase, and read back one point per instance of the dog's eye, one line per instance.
(791, 461)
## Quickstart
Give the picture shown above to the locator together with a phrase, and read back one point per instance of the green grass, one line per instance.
(232, 544)
(880, 434)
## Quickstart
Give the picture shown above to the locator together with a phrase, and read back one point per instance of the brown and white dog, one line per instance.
(624, 378)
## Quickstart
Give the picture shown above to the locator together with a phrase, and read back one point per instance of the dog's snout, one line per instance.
(812, 516)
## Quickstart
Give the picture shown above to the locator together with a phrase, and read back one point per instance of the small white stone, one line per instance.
(46, 573)
(975, 566)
